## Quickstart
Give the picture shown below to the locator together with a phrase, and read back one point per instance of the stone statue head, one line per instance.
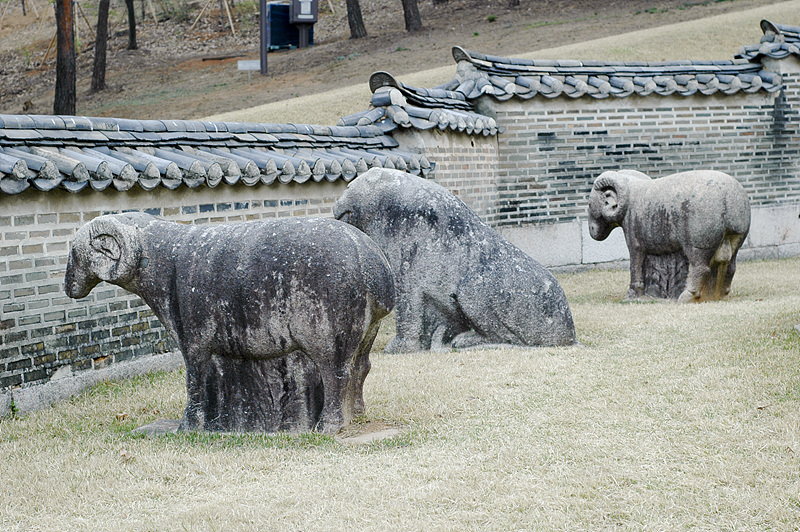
(105, 249)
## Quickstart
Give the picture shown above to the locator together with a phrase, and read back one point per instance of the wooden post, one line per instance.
(122, 16)
(86, 19)
(5, 11)
(302, 31)
(33, 5)
(200, 14)
(230, 18)
(49, 47)
(39, 29)
(153, 11)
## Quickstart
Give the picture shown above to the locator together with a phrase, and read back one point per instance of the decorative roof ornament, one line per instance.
(398, 105)
(778, 42)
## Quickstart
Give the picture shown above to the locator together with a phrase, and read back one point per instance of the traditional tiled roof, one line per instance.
(779, 41)
(77, 152)
(395, 104)
(504, 78)
(451, 105)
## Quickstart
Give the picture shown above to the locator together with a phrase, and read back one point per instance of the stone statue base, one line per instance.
(665, 275)
(277, 395)
(243, 395)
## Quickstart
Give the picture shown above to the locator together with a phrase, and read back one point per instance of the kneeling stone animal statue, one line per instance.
(697, 219)
(266, 314)
(458, 283)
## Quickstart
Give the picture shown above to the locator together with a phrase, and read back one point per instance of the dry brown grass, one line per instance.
(718, 37)
(667, 418)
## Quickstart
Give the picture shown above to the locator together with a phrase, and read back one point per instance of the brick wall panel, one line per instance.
(548, 158)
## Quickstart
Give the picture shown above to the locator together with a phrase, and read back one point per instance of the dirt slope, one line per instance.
(181, 74)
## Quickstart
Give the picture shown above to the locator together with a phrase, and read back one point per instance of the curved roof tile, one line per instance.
(504, 78)
(73, 153)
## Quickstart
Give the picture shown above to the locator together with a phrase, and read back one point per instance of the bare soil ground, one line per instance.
(182, 74)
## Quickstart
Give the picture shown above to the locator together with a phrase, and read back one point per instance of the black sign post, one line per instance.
(303, 14)
(262, 21)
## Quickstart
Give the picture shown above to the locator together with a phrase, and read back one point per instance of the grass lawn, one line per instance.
(667, 417)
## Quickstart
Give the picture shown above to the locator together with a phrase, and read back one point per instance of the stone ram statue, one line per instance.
(275, 319)
(458, 283)
(683, 231)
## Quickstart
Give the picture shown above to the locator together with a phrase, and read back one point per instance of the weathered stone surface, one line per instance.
(683, 231)
(459, 284)
(275, 319)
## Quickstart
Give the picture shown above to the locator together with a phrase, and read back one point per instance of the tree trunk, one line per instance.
(356, 21)
(64, 103)
(411, 14)
(132, 45)
(100, 45)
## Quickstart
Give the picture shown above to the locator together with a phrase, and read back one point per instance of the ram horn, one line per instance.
(617, 185)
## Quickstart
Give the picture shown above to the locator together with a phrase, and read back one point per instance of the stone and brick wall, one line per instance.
(550, 154)
(466, 165)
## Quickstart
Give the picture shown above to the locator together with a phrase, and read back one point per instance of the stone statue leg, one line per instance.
(343, 364)
(336, 379)
(469, 339)
(408, 318)
(699, 271)
(731, 269)
(715, 284)
(361, 368)
(193, 414)
(736, 242)
(473, 305)
(636, 288)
